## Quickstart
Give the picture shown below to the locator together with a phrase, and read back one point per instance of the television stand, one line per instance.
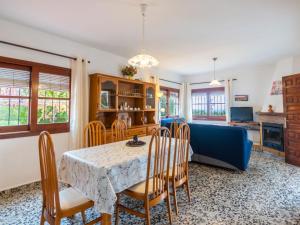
(246, 125)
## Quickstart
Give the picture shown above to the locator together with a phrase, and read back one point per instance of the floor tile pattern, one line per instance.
(267, 193)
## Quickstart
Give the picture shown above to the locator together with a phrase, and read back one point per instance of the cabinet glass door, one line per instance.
(150, 97)
(108, 95)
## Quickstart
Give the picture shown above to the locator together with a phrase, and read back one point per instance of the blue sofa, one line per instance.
(167, 121)
(223, 146)
(218, 145)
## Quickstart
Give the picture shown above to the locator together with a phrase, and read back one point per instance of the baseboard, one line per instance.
(10, 189)
(273, 151)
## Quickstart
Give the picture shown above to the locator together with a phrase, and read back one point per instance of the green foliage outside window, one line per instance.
(45, 116)
(53, 110)
(163, 106)
(14, 110)
(53, 94)
(11, 116)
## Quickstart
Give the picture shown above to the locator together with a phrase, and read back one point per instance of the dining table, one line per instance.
(100, 172)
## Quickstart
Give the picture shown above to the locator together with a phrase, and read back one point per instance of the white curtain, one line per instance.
(228, 98)
(182, 95)
(189, 116)
(79, 103)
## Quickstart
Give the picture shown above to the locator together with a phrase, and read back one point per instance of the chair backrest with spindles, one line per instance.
(158, 161)
(94, 134)
(181, 153)
(118, 130)
(175, 125)
(48, 175)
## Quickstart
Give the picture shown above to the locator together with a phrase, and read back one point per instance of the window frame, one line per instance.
(168, 90)
(33, 128)
(209, 91)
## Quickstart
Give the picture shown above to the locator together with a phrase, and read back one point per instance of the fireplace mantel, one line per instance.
(274, 117)
(270, 114)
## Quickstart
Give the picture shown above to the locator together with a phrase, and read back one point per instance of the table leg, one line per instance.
(106, 219)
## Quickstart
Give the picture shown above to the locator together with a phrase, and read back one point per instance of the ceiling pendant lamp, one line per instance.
(215, 82)
(143, 60)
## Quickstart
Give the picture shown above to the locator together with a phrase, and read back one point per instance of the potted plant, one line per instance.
(129, 71)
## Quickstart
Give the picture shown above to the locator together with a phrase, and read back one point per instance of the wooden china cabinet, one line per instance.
(129, 100)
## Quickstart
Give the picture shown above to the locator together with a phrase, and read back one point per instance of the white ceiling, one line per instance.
(183, 34)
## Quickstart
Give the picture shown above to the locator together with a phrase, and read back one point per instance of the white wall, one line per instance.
(19, 162)
(284, 67)
(252, 81)
(296, 66)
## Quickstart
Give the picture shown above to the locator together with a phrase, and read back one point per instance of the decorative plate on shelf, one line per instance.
(135, 143)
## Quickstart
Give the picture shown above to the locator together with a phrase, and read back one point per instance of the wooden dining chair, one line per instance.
(58, 204)
(175, 125)
(155, 188)
(94, 134)
(179, 174)
(118, 130)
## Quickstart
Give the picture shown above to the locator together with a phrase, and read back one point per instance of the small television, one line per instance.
(241, 114)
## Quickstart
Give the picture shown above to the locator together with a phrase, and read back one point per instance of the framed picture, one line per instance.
(104, 100)
(276, 87)
(241, 98)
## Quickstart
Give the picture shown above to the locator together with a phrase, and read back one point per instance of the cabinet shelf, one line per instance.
(107, 110)
(129, 111)
(130, 96)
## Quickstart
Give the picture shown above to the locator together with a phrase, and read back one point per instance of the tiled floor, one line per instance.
(267, 193)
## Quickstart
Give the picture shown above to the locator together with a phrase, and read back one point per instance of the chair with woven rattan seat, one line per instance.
(94, 134)
(179, 173)
(118, 130)
(155, 188)
(58, 204)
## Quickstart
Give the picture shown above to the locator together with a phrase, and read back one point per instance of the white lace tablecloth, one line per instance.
(102, 171)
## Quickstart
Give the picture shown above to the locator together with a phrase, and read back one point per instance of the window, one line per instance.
(14, 97)
(53, 99)
(33, 97)
(208, 104)
(169, 102)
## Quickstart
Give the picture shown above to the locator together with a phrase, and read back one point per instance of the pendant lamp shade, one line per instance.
(143, 60)
(215, 82)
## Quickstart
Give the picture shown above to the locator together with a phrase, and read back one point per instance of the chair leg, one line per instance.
(147, 212)
(188, 190)
(83, 217)
(175, 199)
(169, 208)
(42, 217)
(117, 210)
(42, 220)
(57, 221)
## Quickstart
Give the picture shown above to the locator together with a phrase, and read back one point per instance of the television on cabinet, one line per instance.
(241, 114)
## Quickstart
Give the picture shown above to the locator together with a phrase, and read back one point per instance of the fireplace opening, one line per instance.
(273, 136)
